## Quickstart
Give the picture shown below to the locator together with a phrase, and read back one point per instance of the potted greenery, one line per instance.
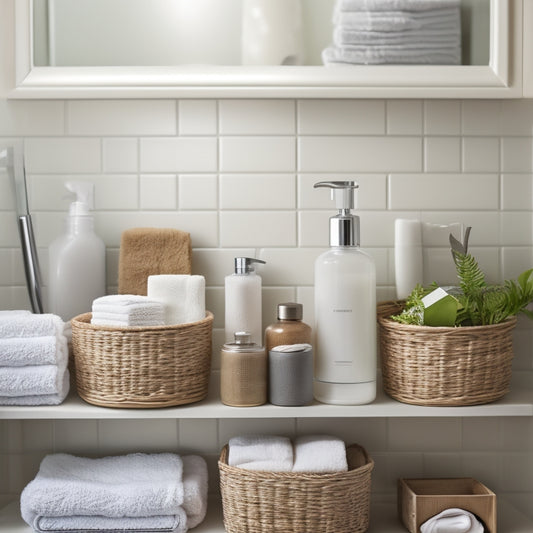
(453, 346)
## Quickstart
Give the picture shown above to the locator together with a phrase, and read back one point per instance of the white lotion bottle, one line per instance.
(76, 258)
(243, 300)
(345, 310)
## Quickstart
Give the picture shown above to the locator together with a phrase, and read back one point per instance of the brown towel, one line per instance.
(151, 251)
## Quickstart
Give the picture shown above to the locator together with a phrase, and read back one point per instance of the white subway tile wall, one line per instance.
(238, 175)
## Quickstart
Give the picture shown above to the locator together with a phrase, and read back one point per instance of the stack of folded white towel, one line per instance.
(395, 32)
(33, 359)
(273, 453)
(138, 492)
(123, 310)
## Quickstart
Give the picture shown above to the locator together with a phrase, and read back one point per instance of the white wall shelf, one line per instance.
(383, 519)
(519, 402)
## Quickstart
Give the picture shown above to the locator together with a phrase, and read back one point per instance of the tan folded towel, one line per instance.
(151, 251)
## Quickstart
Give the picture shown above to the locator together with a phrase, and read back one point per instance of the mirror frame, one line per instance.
(500, 79)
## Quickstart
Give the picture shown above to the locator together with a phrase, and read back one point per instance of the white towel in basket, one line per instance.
(319, 453)
(270, 453)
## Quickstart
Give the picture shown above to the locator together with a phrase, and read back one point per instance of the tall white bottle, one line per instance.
(76, 259)
(345, 310)
(243, 301)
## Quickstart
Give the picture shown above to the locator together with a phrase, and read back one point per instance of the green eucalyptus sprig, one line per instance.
(480, 303)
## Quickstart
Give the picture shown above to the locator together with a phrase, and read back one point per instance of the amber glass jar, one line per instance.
(289, 328)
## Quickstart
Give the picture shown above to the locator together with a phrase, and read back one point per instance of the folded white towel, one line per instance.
(182, 295)
(16, 351)
(374, 55)
(133, 485)
(445, 37)
(102, 524)
(396, 20)
(261, 452)
(319, 453)
(394, 5)
(16, 324)
(40, 399)
(127, 310)
(12, 312)
(453, 521)
(195, 479)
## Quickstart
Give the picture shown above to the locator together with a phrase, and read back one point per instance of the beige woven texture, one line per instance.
(444, 366)
(264, 502)
(157, 366)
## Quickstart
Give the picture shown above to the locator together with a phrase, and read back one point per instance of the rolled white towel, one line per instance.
(40, 399)
(195, 481)
(15, 324)
(319, 453)
(183, 296)
(133, 485)
(394, 5)
(269, 453)
(453, 520)
(127, 310)
(17, 351)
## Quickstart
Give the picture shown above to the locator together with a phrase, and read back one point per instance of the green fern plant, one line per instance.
(481, 303)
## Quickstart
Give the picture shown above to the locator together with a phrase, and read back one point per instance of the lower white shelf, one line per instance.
(383, 519)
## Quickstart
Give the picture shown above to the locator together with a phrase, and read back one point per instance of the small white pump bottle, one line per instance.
(345, 310)
(243, 301)
(76, 259)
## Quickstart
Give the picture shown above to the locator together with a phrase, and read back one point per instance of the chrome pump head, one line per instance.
(344, 227)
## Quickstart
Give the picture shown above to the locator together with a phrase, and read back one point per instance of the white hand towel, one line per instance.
(452, 521)
(17, 324)
(195, 479)
(31, 380)
(134, 485)
(394, 5)
(449, 36)
(269, 453)
(40, 399)
(319, 453)
(182, 295)
(16, 351)
(127, 310)
(102, 524)
(12, 312)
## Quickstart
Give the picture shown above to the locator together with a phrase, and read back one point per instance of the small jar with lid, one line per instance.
(289, 328)
(243, 372)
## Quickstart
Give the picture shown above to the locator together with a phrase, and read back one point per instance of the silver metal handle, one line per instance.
(31, 263)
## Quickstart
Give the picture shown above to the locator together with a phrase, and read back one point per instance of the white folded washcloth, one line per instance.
(183, 296)
(444, 37)
(17, 351)
(127, 310)
(453, 521)
(370, 55)
(17, 324)
(41, 399)
(396, 20)
(176, 523)
(319, 453)
(269, 453)
(394, 5)
(133, 485)
(195, 479)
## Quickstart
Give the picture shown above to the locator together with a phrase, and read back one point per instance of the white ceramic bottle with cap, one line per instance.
(76, 273)
(345, 309)
(243, 301)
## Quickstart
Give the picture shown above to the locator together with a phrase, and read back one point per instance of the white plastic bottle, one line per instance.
(243, 301)
(76, 259)
(345, 310)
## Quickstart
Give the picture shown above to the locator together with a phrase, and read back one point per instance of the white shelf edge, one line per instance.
(518, 402)
(383, 519)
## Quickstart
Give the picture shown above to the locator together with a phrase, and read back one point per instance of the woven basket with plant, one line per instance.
(453, 346)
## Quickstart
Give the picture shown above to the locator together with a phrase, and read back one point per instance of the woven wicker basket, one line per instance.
(265, 502)
(156, 366)
(441, 366)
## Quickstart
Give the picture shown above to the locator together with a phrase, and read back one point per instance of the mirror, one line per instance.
(203, 48)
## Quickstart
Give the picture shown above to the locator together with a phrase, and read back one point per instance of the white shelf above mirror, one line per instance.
(500, 78)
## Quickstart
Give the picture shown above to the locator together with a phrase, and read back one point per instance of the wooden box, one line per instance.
(420, 499)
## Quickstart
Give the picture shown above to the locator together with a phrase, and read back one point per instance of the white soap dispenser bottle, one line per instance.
(243, 301)
(345, 309)
(76, 274)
